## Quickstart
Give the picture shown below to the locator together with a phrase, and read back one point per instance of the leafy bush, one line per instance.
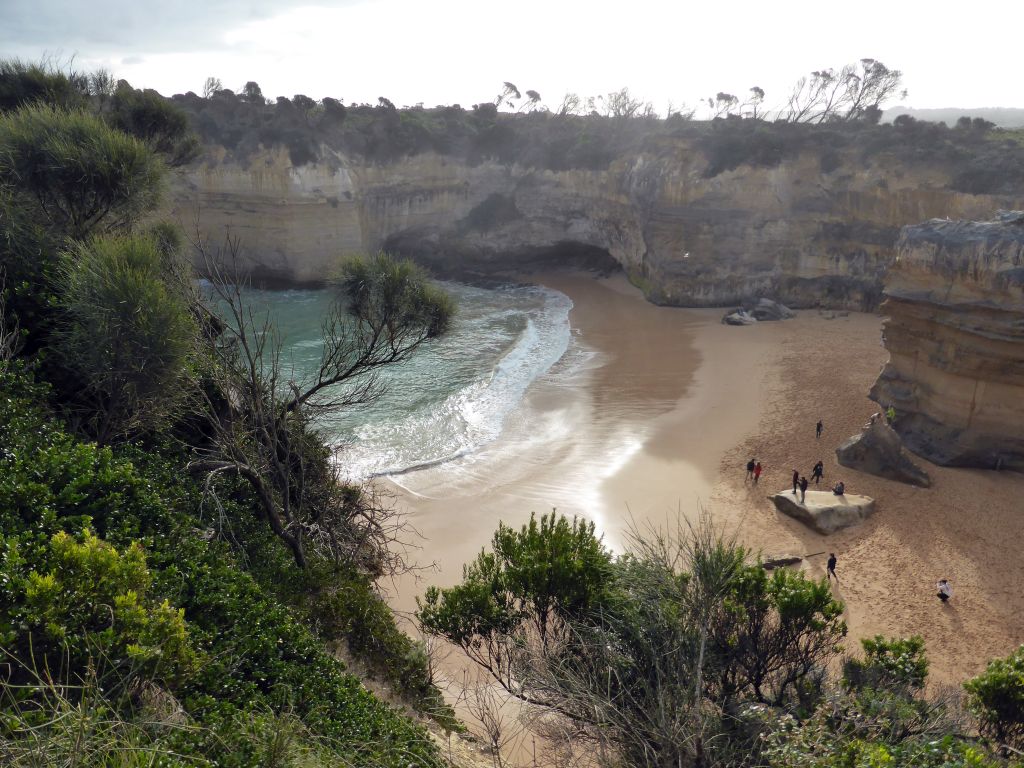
(896, 663)
(997, 697)
(83, 175)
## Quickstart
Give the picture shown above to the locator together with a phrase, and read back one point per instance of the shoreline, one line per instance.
(662, 421)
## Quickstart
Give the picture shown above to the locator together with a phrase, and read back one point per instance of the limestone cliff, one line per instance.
(955, 335)
(792, 231)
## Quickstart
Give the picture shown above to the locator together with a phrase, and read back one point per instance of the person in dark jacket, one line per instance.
(803, 489)
(818, 472)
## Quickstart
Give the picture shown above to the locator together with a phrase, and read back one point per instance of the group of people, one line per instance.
(800, 483)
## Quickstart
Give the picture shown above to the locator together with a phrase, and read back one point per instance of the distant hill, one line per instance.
(1004, 117)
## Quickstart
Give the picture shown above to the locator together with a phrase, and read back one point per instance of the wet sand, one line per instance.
(661, 419)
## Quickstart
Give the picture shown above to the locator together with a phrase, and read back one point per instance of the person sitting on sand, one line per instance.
(944, 590)
(839, 489)
(818, 472)
(750, 469)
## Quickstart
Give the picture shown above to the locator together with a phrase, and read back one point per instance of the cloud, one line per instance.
(103, 27)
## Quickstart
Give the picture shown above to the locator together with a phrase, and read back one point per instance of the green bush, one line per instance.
(997, 697)
(895, 663)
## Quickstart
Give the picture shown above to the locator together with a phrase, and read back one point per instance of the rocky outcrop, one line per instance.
(823, 511)
(878, 450)
(955, 335)
(800, 234)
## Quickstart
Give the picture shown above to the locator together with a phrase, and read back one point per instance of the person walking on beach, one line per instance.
(944, 590)
(818, 472)
(830, 569)
(757, 472)
(750, 469)
(796, 481)
(818, 429)
(803, 489)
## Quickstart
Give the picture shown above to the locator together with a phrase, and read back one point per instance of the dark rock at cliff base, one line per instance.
(878, 450)
(824, 511)
(739, 317)
(766, 309)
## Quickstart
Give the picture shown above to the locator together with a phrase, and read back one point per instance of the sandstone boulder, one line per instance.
(823, 511)
(878, 450)
(781, 561)
(766, 309)
(739, 317)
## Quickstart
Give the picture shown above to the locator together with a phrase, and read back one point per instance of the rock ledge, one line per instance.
(824, 511)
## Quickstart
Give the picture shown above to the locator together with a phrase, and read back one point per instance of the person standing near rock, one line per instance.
(750, 468)
(818, 429)
(796, 481)
(757, 472)
(803, 489)
(818, 472)
(944, 590)
(830, 569)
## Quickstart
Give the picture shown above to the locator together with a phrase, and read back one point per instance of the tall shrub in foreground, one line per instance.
(127, 333)
(997, 697)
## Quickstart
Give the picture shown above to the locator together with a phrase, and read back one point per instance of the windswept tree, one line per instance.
(722, 104)
(752, 106)
(570, 105)
(509, 93)
(855, 92)
(264, 421)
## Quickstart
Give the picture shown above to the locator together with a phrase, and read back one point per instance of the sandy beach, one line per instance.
(661, 412)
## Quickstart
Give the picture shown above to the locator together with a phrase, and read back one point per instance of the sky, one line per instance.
(461, 51)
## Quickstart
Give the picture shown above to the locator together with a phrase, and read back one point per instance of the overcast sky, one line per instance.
(460, 51)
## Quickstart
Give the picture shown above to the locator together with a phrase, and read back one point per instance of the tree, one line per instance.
(852, 93)
(753, 102)
(303, 102)
(82, 175)
(252, 93)
(509, 92)
(149, 116)
(621, 104)
(211, 86)
(127, 333)
(570, 105)
(532, 100)
(647, 655)
(722, 104)
(262, 421)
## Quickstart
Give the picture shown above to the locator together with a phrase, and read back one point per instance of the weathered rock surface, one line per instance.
(781, 561)
(793, 232)
(955, 335)
(739, 317)
(766, 309)
(823, 510)
(878, 450)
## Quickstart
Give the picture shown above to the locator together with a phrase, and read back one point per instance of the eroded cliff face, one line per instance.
(791, 232)
(955, 335)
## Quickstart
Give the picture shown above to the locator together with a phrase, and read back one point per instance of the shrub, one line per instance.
(997, 697)
(893, 664)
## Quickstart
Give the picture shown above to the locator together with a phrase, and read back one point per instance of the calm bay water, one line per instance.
(455, 393)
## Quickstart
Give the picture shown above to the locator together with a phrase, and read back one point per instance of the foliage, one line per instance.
(150, 117)
(81, 174)
(22, 84)
(93, 602)
(127, 332)
(896, 663)
(259, 661)
(997, 697)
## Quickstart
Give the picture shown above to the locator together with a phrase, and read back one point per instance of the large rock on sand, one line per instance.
(823, 510)
(878, 450)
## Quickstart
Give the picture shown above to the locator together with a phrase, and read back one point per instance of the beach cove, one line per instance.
(660, 418)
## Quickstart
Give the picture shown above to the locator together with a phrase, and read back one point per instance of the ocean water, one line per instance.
(453, 396)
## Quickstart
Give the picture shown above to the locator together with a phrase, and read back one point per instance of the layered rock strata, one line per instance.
(792, 232)
(955, 335)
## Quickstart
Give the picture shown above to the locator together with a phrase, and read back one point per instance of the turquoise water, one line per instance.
(454, 395)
